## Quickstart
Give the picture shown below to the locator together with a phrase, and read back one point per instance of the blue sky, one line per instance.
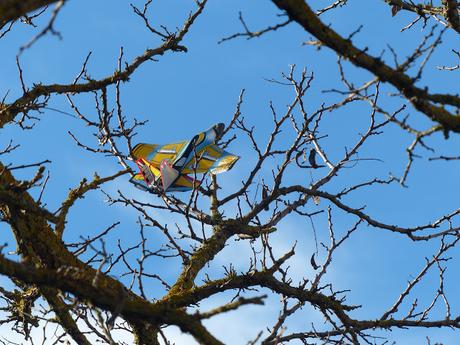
(184, 93)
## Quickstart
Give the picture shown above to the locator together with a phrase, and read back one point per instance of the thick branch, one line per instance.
(451, 7)
(13, 9)
(78, 193)
(423, 101)
(102, 294)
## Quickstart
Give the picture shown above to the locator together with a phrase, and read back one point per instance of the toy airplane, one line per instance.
(167, 167)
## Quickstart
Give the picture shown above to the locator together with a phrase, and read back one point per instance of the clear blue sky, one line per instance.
(182, 94)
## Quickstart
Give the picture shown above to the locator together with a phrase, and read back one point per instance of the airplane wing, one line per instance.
(179, 154)
(183, 183)
(142, 150)
(210, 159)
(155, 154)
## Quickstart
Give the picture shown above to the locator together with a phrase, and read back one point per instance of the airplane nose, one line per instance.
(219, 128)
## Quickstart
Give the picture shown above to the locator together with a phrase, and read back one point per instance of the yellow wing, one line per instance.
(213, 159)
(155, 154)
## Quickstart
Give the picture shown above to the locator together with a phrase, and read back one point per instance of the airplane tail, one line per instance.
(145, 170)
(168, 174)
